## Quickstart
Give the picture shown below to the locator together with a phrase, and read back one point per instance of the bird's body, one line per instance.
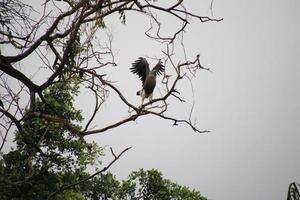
(148, 78)
(149, 86)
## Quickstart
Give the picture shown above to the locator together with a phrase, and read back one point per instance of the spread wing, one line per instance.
(158, 69)
(141, 68)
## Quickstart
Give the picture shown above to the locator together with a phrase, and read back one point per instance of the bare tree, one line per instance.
(62, 35)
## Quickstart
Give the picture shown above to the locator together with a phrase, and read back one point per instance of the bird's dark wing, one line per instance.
(141, 68)
(158, 69)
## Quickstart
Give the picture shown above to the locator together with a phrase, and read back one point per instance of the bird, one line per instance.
(148, 78)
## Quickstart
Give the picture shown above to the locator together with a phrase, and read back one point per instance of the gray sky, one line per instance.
(251, 103)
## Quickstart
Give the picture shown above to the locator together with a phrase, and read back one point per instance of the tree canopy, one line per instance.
(50, 157)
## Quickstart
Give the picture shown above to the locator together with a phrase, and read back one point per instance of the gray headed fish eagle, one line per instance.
(148, 78)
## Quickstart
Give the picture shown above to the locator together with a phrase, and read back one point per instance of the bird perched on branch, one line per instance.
(148, 78)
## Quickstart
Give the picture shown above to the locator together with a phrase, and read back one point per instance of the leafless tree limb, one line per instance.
(62, 34)
(116, 157)
(51, 36)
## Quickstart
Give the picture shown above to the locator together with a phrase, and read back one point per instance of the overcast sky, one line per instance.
(251, 103)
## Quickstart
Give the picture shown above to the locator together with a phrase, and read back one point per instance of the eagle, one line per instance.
(148, 78)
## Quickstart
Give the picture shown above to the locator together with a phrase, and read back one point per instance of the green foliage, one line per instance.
(103, 187)
(48, 154)
(70, 195)
(145, 185)
(63, 149)
(72, 53)
(74, 50)
(151, 185)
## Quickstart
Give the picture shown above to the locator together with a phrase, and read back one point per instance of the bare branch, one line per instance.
(12, 118)
(114, 125)
(176, 121)
(63, 188)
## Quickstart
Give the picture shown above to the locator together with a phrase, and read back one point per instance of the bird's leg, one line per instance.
(150, 97)
(142, 102)
(143, 98)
